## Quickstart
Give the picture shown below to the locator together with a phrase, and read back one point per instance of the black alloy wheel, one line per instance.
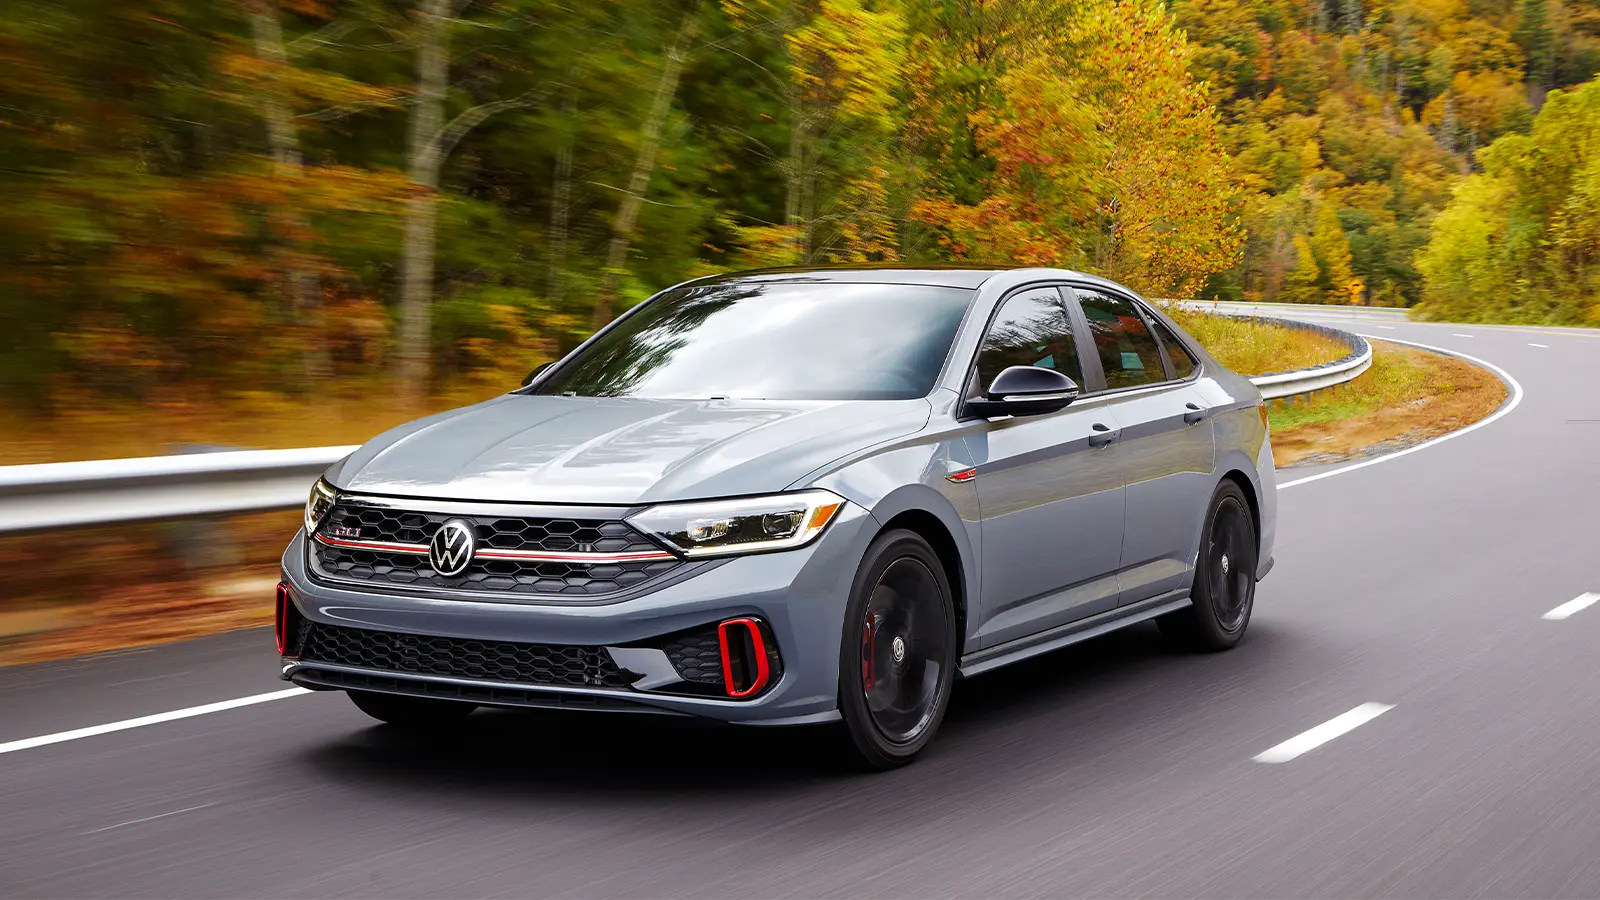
(1224, 579)
(897, 662)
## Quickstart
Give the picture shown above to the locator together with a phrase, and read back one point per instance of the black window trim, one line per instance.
(1154, 315)
(1072, 288)
(1090, 363)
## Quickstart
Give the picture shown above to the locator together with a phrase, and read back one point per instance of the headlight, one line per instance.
(318, 504)
(723, 527)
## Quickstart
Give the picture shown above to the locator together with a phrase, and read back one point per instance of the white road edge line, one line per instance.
(1575, 605)
(1516, 399)
(125, 724)
(1306, 741)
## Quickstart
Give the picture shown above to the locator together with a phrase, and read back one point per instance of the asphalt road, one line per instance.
(1110, 769)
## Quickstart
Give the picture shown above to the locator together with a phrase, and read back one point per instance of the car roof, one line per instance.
(955, 276)
(943, 276)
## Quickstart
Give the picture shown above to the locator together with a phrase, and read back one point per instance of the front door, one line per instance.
(1050, 489)
(1166, 446)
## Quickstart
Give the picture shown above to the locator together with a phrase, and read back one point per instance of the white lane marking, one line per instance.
(1577, 604)
(1461, 335)
(1541, 346)
(1385, 327)
(148, 818)
(125, 724)
(1306, 741)
(1516, 398)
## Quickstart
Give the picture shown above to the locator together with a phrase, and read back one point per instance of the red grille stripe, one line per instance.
(535, 555)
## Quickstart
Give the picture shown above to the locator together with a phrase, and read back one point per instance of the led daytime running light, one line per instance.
(746, 525)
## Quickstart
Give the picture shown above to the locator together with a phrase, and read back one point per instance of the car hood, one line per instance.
(619, 451)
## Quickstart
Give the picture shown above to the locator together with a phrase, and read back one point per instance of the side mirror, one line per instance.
(535, 373)
(1025, 391)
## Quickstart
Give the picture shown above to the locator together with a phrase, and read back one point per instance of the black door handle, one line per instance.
(1103, 435)
(1195, 415)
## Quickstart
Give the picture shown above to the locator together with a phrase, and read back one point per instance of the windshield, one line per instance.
(772, 341)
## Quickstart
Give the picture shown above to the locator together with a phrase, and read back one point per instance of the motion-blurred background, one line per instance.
(290, 223)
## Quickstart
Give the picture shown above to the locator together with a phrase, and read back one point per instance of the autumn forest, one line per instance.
(288, 194)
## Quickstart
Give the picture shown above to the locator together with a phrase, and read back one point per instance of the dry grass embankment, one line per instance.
(1406, 397)
(1256, 348)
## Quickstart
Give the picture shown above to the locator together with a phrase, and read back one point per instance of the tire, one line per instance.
(1224, 577)
(897, 656)
(410, 712)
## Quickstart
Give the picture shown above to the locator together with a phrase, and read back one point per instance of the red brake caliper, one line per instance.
(869, 636)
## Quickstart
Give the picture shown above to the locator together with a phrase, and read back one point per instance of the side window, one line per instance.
(1182, 363)
(1128, 351)
(1031, 329)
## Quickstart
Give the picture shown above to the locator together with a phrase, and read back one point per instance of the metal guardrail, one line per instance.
(1277, 385)
(51, 496)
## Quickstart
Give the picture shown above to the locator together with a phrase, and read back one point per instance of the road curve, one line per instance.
(1402, 721)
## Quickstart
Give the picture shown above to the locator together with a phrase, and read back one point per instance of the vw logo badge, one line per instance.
(452, 548)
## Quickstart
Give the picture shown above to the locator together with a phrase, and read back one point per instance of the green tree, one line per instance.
(1521, 240)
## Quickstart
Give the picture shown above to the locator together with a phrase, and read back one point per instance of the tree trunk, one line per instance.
(422, 209)
(643, 167)
(300, 287)
(561, 212)
(793, 200)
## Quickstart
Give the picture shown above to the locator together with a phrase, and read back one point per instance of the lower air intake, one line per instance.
(502, 661)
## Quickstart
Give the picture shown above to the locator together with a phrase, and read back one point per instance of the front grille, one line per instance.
(504, 661)
(509, 576)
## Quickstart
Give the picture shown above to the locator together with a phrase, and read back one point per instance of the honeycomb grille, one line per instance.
(503, 661)
(697, 655)
(550, 535)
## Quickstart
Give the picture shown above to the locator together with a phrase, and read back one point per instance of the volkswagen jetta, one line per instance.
(793, 497)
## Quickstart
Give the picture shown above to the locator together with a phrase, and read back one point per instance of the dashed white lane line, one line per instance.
(1575, 605)
(1540, 346)
(1306, 741)
(1385, 327)
(1461, 335)
(125, 724)
(150, 818)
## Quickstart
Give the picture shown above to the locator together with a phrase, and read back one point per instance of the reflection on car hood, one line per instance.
(539, 449)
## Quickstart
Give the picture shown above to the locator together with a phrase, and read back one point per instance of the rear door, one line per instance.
(1166, 446)
(1049, 487)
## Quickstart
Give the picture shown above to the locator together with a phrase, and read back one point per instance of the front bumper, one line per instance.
(798, 596)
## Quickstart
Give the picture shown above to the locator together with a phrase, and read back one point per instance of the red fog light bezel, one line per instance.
(743, 646)
(283, 614)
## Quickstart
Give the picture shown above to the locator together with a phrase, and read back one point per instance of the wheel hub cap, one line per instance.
(1225, 564)
(897, 647)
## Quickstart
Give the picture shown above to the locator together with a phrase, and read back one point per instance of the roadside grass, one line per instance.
(1257, 348)
(1406, 397)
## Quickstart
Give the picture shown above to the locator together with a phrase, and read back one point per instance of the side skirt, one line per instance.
(1069, 634)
